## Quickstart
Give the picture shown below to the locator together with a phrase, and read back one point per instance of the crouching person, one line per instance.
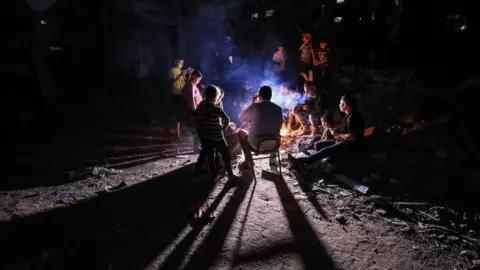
(211, 120)
(309, 113)
(265, 118)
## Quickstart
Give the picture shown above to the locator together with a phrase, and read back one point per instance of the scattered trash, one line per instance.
(65, 191)
(115, 188)
(344, 193)
(352, 183)
(101, 172)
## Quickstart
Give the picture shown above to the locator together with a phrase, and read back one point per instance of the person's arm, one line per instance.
(176, 78)
(247, 115)
(349, 137)
(276, 59)
(224, 117)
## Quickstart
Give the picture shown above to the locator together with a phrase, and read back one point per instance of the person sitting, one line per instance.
(347, 140)
(309, 113)
(211, 120)
(328, 123)
(265, 118)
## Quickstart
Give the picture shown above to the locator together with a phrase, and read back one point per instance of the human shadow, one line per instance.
(306, 242)
(308, 246)
(126, 229)
(175, 259)
(312, 199)
(208, 251)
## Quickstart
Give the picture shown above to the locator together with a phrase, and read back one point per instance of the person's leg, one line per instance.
(242, 139)
(302, 118)
(314, 120)
(327, 151)
(319, 145)
(309, 146)
(221, 146)
(209, 150)
(218, 162)
(202, 155)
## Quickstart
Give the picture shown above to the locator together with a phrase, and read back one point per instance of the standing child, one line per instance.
(211, 121)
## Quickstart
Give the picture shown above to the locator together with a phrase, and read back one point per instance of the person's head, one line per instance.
(280, 49)
(347, 104)
(283, 89)
(306, 36)
(247, 86)
(179, 63)
(327, 120)
(196, 77)
(310, 88)
(211, 93)
(323, 44)
(265, 93)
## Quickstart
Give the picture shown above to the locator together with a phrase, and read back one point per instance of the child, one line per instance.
(327, 124)
(211, 121)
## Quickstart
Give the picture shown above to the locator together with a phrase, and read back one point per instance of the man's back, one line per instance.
(265, 120)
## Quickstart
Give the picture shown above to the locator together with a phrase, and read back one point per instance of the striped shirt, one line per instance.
(209, 121)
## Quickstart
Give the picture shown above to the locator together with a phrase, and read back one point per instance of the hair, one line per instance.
(309, 84)
(178, 60)
(328, 117)
(349, 101)
(265, 92)
(197, 73)
(210, 92)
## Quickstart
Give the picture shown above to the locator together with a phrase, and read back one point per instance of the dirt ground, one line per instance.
(147, 224)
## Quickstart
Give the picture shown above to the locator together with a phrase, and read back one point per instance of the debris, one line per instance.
(428, 216)
(115, 188)
(64, 191)
(341, 219)
(410, 204)
(352, 183)
(344, 193)
(101, 172)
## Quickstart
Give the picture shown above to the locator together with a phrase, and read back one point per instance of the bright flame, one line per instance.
(283, 132)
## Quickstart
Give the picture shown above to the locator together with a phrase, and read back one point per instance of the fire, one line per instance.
(284, 132)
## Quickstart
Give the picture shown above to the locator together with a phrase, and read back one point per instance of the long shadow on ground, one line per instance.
(306, 242)
(126, 229)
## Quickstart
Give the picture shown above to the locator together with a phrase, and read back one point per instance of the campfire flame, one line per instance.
(284, 132)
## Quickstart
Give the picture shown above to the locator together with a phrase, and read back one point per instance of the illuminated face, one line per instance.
(283, 89)
(280, 49)
(324, 122)
(342, 106)
(309, 90)
(305, 38)
(196, 79)
(180, 63)
(323, 45)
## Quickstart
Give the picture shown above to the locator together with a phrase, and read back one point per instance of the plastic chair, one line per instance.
(266, 145)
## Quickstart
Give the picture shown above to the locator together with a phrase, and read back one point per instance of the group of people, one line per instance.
(204, 113)
(314, 61)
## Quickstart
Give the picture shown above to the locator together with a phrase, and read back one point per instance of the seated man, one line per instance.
(309, 113)
(265, 118)
(350, 139)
